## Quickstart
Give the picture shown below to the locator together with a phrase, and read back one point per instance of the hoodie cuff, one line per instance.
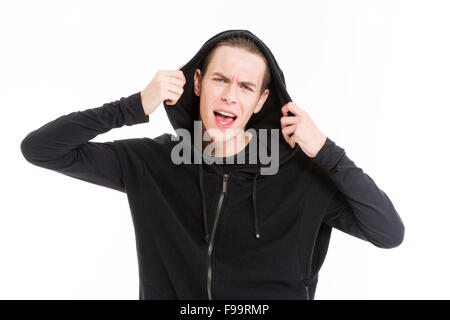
(133, 104)
(329, 155)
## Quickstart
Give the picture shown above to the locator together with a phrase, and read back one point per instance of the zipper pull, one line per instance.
(225, 179)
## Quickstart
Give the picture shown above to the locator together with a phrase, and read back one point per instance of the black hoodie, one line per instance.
(220, 231)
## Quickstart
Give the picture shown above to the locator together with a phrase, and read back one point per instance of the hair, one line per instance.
(244, 42)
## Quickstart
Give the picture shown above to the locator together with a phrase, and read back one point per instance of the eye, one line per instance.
(246, 87)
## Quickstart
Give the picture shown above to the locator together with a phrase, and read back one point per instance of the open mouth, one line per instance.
(224, 119)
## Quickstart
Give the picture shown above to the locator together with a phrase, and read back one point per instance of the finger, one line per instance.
(288, 130)
(297, 107)
(284, 111)
(171, 98)
(292, 141)
(177, 74)
(286, 133)
(288, 120)
(180, 67)
(292, 107)
(174, 88)
(175, 81)
(182, 76)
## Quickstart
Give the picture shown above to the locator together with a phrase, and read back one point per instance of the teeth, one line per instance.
(226, 114)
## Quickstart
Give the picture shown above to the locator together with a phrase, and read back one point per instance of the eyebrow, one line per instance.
(248, 83)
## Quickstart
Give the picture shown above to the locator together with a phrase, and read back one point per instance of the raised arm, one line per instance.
(359, 207)
(63, 144)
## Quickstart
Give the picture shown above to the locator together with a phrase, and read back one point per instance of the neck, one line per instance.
(229, 147)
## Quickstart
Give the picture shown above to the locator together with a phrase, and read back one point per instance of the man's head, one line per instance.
(234, 78)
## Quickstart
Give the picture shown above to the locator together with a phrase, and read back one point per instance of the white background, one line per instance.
(374, 76)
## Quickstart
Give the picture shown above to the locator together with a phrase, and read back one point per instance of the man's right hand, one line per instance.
(165, 85)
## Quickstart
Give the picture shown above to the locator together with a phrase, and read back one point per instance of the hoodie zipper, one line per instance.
(304, 284)
(308, 297)
(307, 292)
(211, 242)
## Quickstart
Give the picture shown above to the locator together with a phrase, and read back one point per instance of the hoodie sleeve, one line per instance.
(358, 207)
(63, 144)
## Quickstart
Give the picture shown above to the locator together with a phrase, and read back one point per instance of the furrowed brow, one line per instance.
(247, 83)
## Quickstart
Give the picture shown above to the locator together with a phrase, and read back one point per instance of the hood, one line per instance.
(186, 111)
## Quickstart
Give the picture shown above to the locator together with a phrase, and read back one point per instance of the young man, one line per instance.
(221, 228)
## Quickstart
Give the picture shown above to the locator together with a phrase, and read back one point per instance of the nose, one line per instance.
(229, 94)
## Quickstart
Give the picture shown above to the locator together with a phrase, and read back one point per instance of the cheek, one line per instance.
(249, 107)
(248, 115)
(210, 96)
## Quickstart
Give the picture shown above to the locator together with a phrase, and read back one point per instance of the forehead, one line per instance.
(237, 62)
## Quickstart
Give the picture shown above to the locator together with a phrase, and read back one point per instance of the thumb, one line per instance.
(180, 67)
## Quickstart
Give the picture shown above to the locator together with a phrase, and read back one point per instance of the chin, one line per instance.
(218, 134)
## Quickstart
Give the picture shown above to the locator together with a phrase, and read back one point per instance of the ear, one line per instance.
(261, 100)
(197, 81)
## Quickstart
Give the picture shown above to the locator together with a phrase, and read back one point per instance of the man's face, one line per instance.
(231, 84)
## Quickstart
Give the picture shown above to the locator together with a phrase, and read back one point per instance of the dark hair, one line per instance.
(243, 42)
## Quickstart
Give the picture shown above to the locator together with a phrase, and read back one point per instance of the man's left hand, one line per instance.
(301, 129)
